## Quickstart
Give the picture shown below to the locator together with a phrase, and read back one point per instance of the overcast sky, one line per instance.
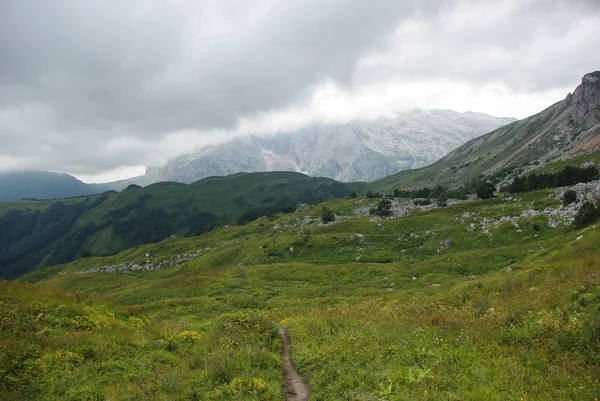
(102, 88)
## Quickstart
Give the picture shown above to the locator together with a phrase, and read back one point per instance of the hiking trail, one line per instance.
(296, 388)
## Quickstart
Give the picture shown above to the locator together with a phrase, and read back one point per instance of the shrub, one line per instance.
(569, 197)
(384, 208)
(86, 253)
(353, 194)
(485, 190)
(587, 214)
(327, 215)
(422, 202)
(255, 387)
(189, 337)
(442, 203)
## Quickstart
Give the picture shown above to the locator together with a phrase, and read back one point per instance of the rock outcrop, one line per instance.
(565, 130)
(585, 101)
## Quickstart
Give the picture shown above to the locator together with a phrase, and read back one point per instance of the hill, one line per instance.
(354, 151)
(567, 129)
(36, 233)
(477, 300)
(16, 185)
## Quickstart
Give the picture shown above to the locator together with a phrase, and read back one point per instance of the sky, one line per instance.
(102, 88)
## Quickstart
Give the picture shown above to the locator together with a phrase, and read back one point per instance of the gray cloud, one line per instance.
(90, 86)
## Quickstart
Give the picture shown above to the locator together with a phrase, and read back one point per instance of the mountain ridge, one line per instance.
(354, 151)
(566, 129)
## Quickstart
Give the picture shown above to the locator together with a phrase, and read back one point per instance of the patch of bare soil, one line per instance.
(296, 388)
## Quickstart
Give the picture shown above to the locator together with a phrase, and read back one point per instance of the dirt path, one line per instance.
(296, 388)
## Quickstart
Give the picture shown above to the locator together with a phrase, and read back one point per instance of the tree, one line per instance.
(327, 215)
(587, 214)
(569, 197)
(485, 190)
(518, 185)
(384, 208)
(532, 182)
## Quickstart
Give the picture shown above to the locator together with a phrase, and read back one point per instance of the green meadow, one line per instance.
(453, 303)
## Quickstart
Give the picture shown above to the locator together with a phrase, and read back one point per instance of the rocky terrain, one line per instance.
(355, 151)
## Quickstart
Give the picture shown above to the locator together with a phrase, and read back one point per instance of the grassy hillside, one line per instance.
(479, 300)
(36, 233)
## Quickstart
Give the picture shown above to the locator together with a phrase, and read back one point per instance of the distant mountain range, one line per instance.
(355, 151)
(564, 130)
(17, 185)
(369, 150)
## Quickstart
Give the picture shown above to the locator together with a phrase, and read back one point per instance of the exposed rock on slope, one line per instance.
(586, 101)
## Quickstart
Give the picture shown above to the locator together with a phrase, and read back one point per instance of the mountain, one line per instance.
(355, 151)
(567, 129)
(44, 185)
(15, 185)
(36, 233)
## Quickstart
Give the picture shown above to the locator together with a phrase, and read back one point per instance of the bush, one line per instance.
(422, 202)
(353, 194)
(371, 195)
(384, 208)
(441, 203)
(327, 215)
(86, 253)
(569, 197)
(485, 190)
(587, 214)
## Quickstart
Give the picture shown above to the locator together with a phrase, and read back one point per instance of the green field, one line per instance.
(446, 304)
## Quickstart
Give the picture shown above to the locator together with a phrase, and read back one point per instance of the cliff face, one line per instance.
(585, 101)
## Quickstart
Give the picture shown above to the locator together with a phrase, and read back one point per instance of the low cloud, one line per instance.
(99, 86)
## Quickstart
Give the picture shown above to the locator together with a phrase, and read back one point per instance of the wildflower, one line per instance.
(10, 322)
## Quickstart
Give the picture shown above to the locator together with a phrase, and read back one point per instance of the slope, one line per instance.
(16, 185)
(566, 129)
(47, 233)
(478, 300)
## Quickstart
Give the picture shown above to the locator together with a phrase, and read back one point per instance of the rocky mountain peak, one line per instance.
(355, 151)
(586, 101)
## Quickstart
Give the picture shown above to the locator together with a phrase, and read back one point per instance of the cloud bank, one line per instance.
(99, 86)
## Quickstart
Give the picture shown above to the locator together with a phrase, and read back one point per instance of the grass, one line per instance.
(509, 314)
(577, 161)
